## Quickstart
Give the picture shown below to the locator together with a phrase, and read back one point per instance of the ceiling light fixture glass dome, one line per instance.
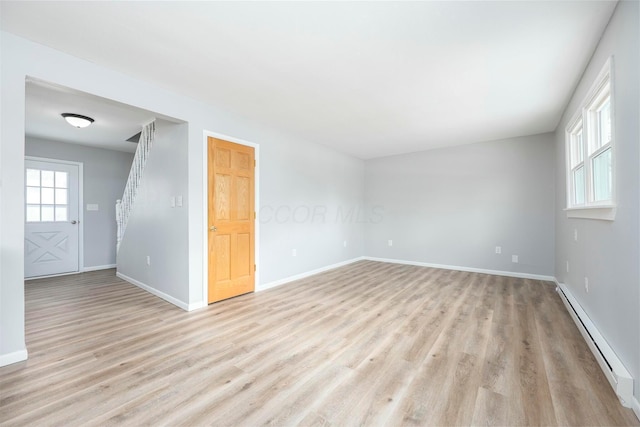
(77, 120)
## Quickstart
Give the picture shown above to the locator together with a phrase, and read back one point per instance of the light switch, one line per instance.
(173, 202)
(92, 207)
(179, 201)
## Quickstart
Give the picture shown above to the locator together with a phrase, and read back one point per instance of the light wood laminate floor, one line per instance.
(367, 344)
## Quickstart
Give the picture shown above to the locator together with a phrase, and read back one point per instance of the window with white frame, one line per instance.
(46, 195)
(590, 151)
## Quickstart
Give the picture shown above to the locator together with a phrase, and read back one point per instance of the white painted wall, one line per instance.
(453, 206)
(608, 253)
(292, 172)
(12, 104)
(156, 229)
(105, 175)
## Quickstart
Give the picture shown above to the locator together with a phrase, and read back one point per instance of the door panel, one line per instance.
(231, 219)
(244, 258)
(51, 244)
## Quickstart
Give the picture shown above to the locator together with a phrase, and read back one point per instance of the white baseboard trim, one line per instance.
(154, 291)
(195, 306)
(305, 275)
(469, 269)
(15, 357)
(99, 267)
(619, 377)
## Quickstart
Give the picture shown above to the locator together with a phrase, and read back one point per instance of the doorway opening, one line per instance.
(53, 236)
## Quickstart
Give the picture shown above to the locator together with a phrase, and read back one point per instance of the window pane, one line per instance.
(604, 123)
(61, 180)
(602, 176)
(578, 186)
(61, 196)
(33, 213)
(47, 213)
(61, 213)
(577, 148)
(47, 178)
(33, 177)
(33, 195)
(47, 196)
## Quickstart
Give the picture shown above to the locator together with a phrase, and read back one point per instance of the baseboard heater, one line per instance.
(618, 376)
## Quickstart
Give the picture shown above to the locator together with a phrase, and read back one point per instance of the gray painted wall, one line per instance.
(293, 173)
(155, 229)
(608, 252)
(105, 175)
(286, 179)
(453, 206)
(310, 199)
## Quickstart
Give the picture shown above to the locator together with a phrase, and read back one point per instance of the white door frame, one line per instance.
(205, 209)
(80, 166)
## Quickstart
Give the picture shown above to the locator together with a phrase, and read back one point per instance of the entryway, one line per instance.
(52, 223)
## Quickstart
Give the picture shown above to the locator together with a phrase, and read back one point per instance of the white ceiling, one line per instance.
(114, 122)
(367, 78)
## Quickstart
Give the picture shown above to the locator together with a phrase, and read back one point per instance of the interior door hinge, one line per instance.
(254, 215)
(254, 267)
(254, 163)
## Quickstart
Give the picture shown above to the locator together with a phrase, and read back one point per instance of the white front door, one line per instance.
(51, 238)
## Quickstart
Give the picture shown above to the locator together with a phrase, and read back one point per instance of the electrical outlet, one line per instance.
(294, 252)
(498, 249)
(344, 243)
(514, 258)
(575, 234)
(148, 260)
(586, 284)
(390, 242)
(567, 266)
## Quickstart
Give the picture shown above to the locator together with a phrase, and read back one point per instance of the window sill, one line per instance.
(605, 213)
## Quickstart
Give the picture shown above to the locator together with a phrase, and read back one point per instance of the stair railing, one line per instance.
(124, 205)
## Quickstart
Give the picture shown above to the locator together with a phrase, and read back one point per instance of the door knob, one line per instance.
(213, 228)
(74, 221)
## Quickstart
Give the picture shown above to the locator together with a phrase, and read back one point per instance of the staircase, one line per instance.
(124, 205)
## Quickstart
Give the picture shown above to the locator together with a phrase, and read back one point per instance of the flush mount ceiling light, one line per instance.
(77, 120)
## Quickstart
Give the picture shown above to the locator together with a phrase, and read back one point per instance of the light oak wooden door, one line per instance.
(231, 219)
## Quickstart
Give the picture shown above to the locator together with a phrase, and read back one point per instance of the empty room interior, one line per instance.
(320, 213)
